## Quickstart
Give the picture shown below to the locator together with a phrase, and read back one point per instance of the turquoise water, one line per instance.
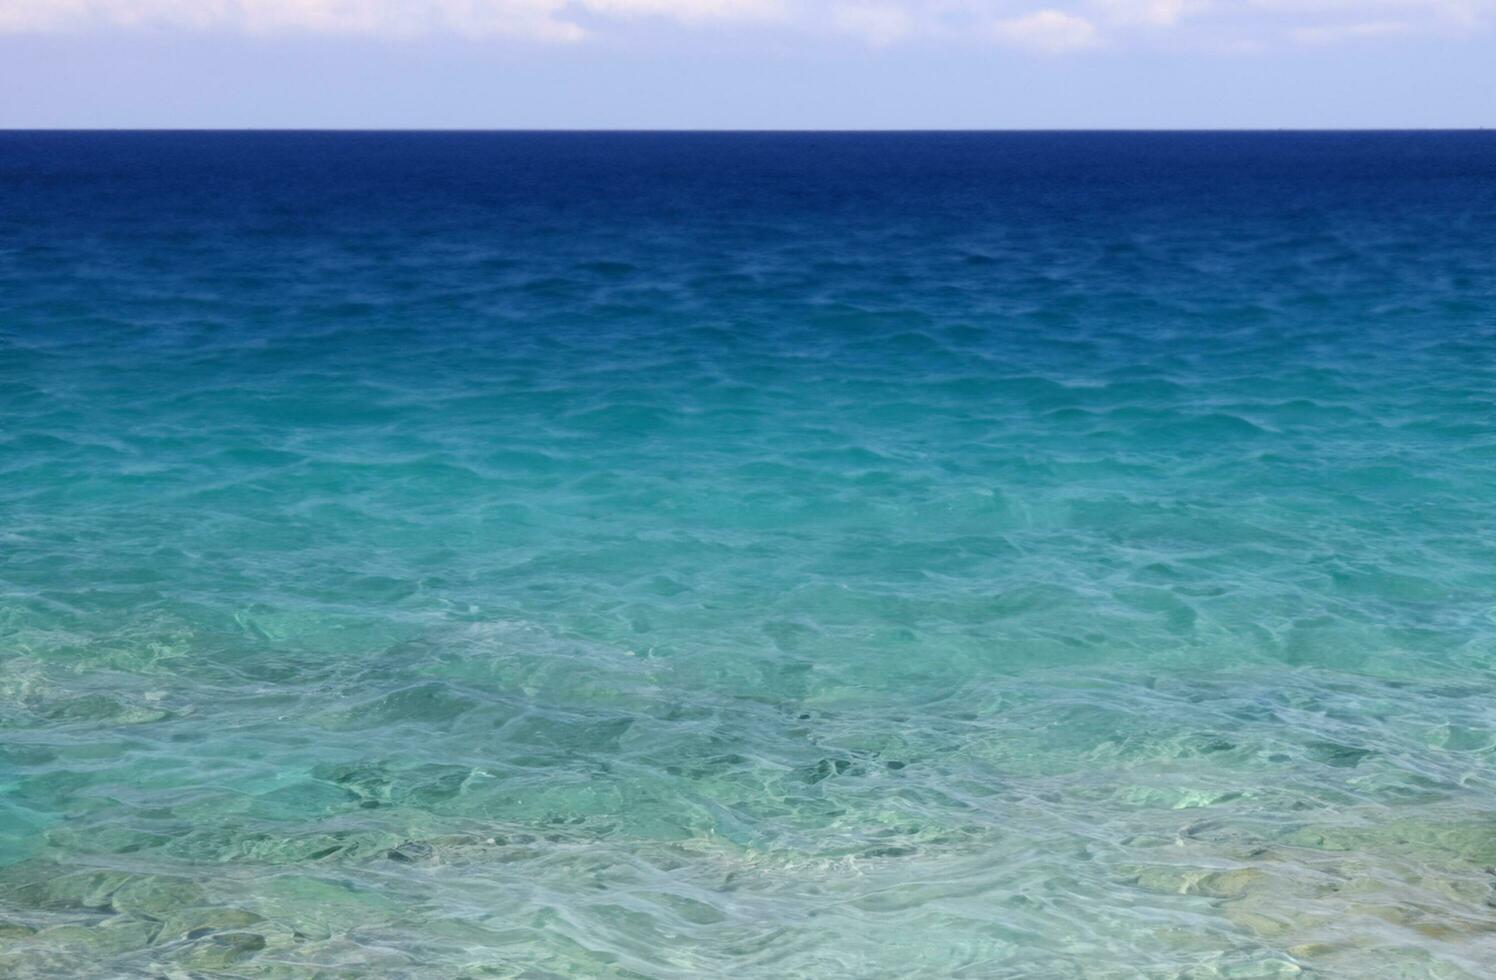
(776, 556)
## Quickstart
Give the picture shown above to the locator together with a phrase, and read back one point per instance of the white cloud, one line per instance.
(1154, 13)
(1334, 21)
(1048, 31)
(1416, 14)
(1349, 32)
(691, 10)
(1461, 7)
(1050, 26)
(542, 19)
(878, 24)
(527, 18)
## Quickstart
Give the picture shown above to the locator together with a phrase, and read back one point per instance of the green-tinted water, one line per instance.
(1026, 556)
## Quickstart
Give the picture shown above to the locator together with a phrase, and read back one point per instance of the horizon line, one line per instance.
(630, 130)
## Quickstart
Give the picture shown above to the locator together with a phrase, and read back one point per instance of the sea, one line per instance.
(758, 555)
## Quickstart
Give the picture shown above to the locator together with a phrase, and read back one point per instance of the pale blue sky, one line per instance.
(748, 63)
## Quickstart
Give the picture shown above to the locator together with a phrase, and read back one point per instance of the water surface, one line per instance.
(484, 555)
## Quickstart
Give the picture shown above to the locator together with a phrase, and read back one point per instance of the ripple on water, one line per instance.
(548, 556)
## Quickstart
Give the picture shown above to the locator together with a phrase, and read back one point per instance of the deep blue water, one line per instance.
(675, 555)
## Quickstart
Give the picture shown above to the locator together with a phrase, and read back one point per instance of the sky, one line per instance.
(748, 64)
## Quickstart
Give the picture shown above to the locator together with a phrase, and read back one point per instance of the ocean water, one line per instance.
(757, 555)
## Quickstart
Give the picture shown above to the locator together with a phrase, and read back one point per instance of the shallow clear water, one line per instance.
(777, 556)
